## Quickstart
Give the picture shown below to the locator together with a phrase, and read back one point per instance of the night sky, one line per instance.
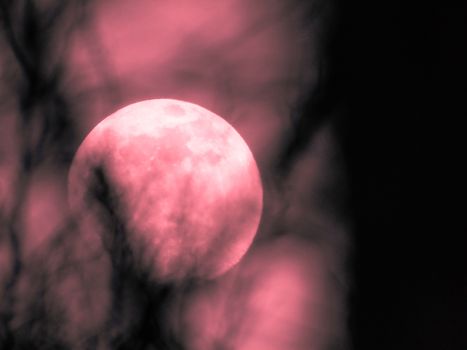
(354, 112)
(398, 72)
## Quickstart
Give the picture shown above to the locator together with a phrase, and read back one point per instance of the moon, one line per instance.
(173, 182)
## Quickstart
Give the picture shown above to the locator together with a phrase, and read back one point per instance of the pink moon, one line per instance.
(182, 182)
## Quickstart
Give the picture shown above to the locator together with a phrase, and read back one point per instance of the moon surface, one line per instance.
(173, 182)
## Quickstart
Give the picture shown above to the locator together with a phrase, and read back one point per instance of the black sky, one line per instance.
(397, 82)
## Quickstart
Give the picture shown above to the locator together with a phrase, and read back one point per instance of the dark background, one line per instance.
(396, 74)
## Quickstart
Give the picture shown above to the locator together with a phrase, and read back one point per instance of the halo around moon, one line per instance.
(174, 182)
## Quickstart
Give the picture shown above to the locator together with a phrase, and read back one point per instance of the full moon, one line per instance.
(175, 182)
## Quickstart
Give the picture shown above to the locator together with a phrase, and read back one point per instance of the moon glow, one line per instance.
(182, 185)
